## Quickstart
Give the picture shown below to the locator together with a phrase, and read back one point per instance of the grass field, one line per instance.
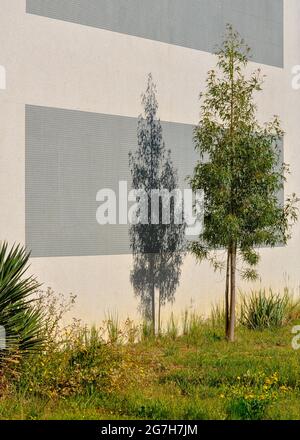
(194, 376)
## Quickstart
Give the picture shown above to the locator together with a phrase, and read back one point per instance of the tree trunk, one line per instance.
(232, 293)
(152, 292)
(232, 245)
(227, 292)
(158, 317)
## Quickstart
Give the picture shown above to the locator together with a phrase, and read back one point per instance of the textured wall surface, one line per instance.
(61, 64)
(198, 24)
(70, 155)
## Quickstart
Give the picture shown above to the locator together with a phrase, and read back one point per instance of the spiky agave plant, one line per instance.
(21, 320)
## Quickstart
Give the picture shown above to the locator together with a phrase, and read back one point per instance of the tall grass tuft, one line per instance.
(217, 316)
(266, 309)
(185, 322)
(113, 328)
(172, 327)
(192, 326)
(147, 332)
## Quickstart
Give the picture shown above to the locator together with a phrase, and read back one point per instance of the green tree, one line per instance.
(239, 171)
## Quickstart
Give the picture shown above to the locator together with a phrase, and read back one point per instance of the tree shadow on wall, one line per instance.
(157, 242)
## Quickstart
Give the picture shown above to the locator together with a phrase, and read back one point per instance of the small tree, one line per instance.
(157, 248)
(239, 171)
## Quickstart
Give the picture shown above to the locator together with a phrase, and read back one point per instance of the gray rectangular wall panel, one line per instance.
(70, 155)
(197, 24)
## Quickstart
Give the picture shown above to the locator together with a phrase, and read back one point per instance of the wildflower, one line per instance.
(284, 388)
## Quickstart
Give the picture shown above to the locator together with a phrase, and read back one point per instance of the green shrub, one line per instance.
(19, 315)
(263, 309)
(79, 365)
(250, 396)
(244, 408)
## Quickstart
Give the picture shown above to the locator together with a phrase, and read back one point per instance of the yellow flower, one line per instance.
(284, 388)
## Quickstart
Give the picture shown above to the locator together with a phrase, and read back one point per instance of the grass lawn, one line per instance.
(197, 376)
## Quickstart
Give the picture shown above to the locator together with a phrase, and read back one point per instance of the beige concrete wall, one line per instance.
(59, 64)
